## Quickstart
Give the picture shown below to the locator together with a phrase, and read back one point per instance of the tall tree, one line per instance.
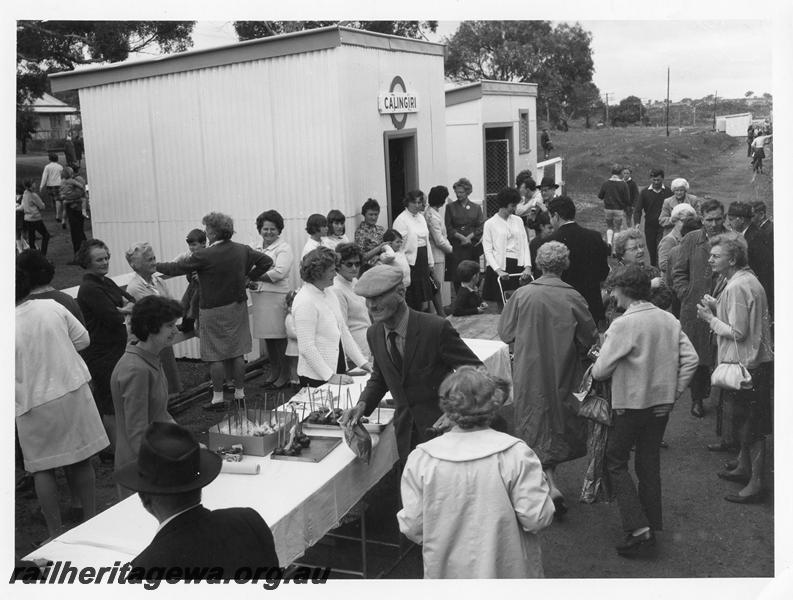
(45, 47)
(248, 30)
(558, 59)
(628, 112)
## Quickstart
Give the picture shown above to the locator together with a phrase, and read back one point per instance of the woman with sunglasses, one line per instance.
(353, 306)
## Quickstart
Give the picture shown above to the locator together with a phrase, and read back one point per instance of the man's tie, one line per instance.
(393, 350)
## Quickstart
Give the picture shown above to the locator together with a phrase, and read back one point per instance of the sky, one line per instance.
(631, 57)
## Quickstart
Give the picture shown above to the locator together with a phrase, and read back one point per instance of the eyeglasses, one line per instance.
(351, 263)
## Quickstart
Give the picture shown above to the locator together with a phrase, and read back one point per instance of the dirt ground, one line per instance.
(704, 536)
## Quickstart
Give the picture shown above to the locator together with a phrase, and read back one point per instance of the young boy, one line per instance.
(196, 239)
(392, 254)
(468, 301)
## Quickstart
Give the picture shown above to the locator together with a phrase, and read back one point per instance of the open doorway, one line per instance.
(401, 164)
(498, 163)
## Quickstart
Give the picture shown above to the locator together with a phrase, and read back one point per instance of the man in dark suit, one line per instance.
(588, 254)
(170, 471)
(760, 246)
(412, 354)
(650, 202)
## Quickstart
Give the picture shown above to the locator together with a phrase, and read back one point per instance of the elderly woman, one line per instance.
(323, 338)
(138, 383)
(741, 325)
(224, 269)
(464, 224)
(104, 306)
(506, 247)
(440, 246)
(678, 217)
(353, 307)
(369, 235)
(629, 249)
(268, 296)
(146, 282)
(56, 417)
(650, 361)
(412, 226)
(679, 195)
(549, 321)
(316, 228)
(475, 498)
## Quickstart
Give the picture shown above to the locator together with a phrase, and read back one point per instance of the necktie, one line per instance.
(393, 350)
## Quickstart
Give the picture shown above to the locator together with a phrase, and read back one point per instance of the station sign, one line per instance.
(397, 101)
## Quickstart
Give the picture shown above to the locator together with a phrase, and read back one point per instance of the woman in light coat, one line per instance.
(439, 243)
(679, 195)
(506, 247)
(475, 498)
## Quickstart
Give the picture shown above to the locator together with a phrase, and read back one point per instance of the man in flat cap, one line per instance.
(412, 354)
(170, 471)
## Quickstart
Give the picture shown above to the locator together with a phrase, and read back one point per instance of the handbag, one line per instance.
(594, 405)
(732, 375)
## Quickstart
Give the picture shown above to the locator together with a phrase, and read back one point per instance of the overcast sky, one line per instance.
(631, 57)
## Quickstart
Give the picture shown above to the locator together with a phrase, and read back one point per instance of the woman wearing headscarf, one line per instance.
(224, 270)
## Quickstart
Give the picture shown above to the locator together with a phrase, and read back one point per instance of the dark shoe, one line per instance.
(663, 444)
(733, 476)
(75, 514)
(731, 465)
(271, 386)
(106, 456)
(750, 499)
(560, 506)
(697, 410)
(228, 386)
(216, 407)
(720, 447)
(634, 545)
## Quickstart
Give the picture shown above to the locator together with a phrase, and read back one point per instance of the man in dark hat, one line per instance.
(588, 254)
(760, 245)
(412, 353)
(548, 187)
(170, 471)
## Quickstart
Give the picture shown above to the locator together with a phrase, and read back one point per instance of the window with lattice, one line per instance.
(523, 128)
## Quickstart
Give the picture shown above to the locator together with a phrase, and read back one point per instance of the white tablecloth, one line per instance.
(300, 501)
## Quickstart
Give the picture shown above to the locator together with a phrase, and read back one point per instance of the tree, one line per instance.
(45, 47)
(27, 122)
(748, 94)
(768, 96)
(249, 30)
(558, 59)
(628, 111)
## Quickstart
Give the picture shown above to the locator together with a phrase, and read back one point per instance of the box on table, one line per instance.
(252, 445)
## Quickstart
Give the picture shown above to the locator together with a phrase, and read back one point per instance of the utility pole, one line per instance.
(694, 117)
(607, 108)
(667, 101)
(714, 109)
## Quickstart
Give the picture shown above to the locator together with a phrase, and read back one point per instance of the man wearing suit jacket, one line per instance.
(588, 254)
(170, 471)
(412, 353)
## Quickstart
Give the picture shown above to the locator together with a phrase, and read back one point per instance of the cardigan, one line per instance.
(223, 270)
(615, 194)
(498, 235)
(140, 397)
(319, 327)
(742, 313)
(665, 218)
(413, 229)
(281, 254)
(353, 311)
(648, 357)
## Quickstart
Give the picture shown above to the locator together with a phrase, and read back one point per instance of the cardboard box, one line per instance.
(252, 445)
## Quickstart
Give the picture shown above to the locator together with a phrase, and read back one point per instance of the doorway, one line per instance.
(498, 164)
(401, 164)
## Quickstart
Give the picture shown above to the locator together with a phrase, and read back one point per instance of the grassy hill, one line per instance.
(714, 164)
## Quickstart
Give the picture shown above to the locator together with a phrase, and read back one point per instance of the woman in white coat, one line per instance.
(475, 498)
(439, 242)
(506, 247)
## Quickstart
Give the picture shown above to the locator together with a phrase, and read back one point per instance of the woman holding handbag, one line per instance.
(741, 325)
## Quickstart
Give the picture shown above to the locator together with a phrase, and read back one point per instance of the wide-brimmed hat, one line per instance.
(170, 461)
(548, 182)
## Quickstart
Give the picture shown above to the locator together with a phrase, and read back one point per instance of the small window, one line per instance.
(523, 127)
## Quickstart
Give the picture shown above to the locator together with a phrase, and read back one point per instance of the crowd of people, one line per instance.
(648, 326)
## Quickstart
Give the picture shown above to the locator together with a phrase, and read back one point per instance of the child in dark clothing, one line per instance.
(195, 239)
(468, 301)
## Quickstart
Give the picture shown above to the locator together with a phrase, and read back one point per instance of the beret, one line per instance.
(378, 280)
(740, 209)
